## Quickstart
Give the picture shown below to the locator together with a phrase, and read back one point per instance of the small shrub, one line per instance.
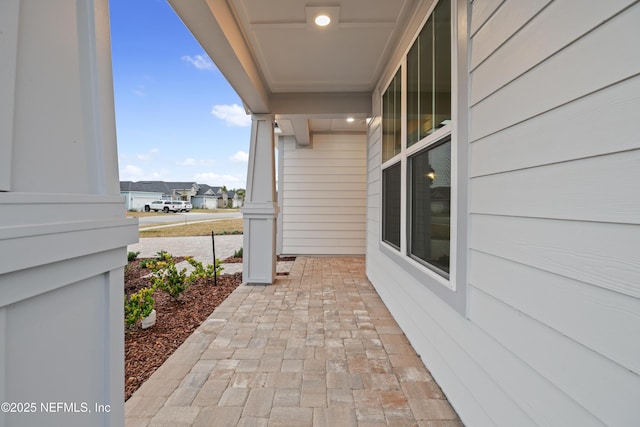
(164, 255)
(146, 263)
(138, 306)
(238, 253)
(131, 256)
(201, 271)
(168, 278)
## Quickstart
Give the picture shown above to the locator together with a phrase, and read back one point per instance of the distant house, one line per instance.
(211, 197)
(203, 196)
(236, 199)
(207, 197)
(138, 194)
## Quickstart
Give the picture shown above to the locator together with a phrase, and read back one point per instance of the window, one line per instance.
(422, 147)
(391, 188)
(430, 213)
(391, 116)
(429, 76)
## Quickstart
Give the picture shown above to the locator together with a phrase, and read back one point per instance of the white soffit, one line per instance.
(296, 56)
(337, 125)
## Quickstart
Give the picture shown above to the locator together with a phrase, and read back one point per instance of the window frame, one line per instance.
(432, 267)
(452, 288)
(399, 72)
(384, 206)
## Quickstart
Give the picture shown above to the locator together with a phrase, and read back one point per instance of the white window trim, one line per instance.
(457, 126)
(431, 141)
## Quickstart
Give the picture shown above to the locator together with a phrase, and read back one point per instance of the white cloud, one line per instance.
(190, 161)
(148, 155)
(240, 157)
(135, 173)
(139, 91)
(234, 115)
(131, 173)
(201, 62)
(211, 178)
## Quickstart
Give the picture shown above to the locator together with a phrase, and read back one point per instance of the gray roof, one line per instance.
(204, 188)
(166, 187)
(156, 186)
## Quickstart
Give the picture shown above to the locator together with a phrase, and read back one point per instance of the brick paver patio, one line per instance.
(317, 348)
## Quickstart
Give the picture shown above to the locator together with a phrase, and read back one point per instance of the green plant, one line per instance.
(200, 271)
(168, 278)
(238, 253)
(163, 255)
(138, 306)
(131, 256)
(146, 262)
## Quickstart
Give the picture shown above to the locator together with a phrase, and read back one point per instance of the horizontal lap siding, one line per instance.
(481, 12)
(579, 69)
(555, 161)
(324, 196)
(374, 134)
(552, 334)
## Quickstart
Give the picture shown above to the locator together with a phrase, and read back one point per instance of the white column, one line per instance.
(260, 210)
(63, 231)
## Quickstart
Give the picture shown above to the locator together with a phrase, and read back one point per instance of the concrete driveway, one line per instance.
(198, 247)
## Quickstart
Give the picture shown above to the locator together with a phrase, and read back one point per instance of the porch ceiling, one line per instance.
(280, 62)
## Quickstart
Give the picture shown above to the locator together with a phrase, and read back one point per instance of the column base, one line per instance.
(259, 244)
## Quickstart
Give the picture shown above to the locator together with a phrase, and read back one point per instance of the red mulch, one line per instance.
(232, 260)
(145, 350)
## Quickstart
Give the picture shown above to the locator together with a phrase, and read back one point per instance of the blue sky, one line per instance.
(177, 118)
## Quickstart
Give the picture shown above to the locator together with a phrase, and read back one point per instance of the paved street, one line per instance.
(185, 217)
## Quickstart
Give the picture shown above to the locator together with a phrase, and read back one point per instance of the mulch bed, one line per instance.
(145, 350)
(233, 260)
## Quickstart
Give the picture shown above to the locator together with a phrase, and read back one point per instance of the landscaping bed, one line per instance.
(146, 350)
(232, 260)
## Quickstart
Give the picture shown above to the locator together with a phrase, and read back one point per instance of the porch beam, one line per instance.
(321, 104)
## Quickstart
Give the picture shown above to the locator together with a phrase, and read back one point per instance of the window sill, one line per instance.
(441, 287)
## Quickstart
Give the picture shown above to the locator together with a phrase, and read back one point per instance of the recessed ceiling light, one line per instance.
(322, 20)
(351, 119)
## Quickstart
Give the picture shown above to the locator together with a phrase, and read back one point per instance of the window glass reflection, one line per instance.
(430, 191)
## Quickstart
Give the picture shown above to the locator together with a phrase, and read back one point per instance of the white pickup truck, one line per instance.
(184, 206)
(163, 205)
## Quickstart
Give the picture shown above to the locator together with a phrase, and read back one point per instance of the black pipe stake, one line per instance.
(215, 267)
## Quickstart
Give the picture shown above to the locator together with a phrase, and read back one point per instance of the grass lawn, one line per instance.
(225, 226)
(140, 214)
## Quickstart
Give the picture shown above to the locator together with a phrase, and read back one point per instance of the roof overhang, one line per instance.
(280, 63)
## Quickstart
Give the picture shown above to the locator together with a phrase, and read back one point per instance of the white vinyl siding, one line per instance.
(552, 333)
(324, 196)
(555, 155)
